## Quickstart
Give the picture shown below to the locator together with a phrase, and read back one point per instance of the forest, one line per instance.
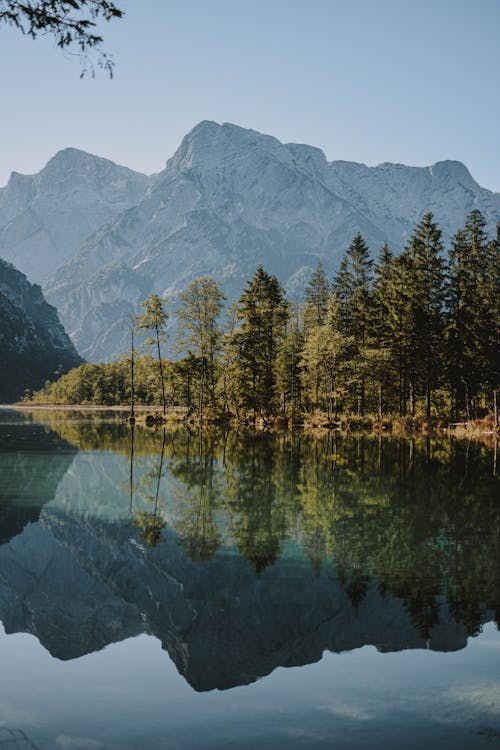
(414, 335)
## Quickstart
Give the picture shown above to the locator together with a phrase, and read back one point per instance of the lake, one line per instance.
(219, 589)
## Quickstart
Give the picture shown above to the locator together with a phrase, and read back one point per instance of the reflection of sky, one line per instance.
(130, 696)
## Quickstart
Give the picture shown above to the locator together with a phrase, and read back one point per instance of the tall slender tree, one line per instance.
(353, 287)
(200, 333)
(154, 319)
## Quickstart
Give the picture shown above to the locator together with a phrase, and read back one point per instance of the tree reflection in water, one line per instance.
(418, 518)
(150, 522)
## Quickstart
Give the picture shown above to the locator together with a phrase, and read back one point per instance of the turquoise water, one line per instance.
(177, 590)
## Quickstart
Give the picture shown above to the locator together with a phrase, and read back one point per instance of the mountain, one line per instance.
(228, 199)
(45, 218)
(33, 343)
(232, 198)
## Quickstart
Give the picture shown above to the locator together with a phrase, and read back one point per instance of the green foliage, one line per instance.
(405, 335)
(200, 334)
(415, 517)
(261, 317)
(72, 23)
(154, 319)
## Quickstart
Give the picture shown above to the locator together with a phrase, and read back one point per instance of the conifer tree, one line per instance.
(385, 330)
(353, 288)
(262, 314)
(288, 369)
(316, 295)
(428, 298)
(471, 314)
(323, 360)
(493, 304)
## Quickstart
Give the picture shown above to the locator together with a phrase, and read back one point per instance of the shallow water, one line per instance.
(177, 590)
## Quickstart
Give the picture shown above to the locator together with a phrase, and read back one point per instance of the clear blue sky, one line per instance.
(412, 81)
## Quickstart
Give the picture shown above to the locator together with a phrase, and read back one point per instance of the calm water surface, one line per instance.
(177, 590)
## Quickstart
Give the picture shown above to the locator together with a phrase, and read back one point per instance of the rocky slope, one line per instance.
(44, 218)
(33, 343)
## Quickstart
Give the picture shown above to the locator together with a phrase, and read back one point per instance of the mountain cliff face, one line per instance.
(33, 343)
(45, 218)
(228, 199)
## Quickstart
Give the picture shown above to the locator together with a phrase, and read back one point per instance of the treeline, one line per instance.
(415, 334)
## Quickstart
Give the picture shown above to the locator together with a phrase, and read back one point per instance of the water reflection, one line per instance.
(246, 551)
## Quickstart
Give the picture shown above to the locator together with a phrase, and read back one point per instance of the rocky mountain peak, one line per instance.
(451, 170)
(210, 145)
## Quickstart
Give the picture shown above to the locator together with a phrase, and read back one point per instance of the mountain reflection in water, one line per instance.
(245, 552)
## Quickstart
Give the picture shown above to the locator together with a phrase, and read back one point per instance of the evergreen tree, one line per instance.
(261, 316)
(471, 314)
(427, 304)
(353, 287)
(323, 360)
(493, 304)
(385, 329)
(288, 369)
(316, 295)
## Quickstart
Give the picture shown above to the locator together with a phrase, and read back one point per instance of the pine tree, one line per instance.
(353, 288)
(471, 314)
(429, 303)
(316, 295)
(384, 328)
(323, 360)
(288, 369)
(493, 304)
(262, 314)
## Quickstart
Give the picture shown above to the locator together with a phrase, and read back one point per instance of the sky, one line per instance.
(408, 81)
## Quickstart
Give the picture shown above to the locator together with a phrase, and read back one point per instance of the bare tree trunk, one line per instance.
(161, 372)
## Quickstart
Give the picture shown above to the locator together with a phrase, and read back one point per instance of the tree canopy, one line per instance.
(415, 335)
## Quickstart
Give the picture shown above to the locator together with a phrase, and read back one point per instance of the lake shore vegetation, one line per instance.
(405, 342)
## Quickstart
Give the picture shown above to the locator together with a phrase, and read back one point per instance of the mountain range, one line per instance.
(100, 238)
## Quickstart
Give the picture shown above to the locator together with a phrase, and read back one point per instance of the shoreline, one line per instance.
(390, 426)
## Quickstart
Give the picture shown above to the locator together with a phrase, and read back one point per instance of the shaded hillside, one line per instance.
(33, 344)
